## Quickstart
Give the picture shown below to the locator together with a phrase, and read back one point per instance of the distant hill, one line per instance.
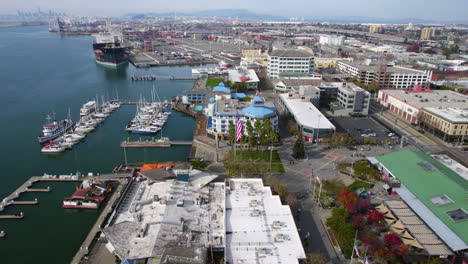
(244, 14)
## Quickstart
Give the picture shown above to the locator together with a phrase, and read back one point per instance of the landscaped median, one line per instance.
(251, 163)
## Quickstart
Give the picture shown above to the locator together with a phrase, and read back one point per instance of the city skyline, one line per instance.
(430, 10)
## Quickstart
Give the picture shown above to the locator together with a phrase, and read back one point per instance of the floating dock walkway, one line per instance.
(154, 78)
(154, 144)
(16, 216)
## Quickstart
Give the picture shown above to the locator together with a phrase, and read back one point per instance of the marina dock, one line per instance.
(93, 234)
(17, 216)
(25, 202)
(155, 78)
(154, 144)
(38, 190)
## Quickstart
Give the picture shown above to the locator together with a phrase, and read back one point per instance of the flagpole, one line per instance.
(354, 245)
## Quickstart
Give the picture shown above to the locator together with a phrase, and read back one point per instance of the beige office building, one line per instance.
(427, 33)
(451, 124)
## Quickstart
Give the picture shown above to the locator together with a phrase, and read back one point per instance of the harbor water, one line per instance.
(43, 73)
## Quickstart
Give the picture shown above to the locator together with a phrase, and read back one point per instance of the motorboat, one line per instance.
(53, 147)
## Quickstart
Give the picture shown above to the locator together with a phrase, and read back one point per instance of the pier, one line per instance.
(155, 78)
(25, 202)
(165, 143)
(96, 230)
(16, 216)
(38, 190)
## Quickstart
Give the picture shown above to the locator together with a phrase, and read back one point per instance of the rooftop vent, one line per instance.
(440, 200)
(426, 165)
(457, 214)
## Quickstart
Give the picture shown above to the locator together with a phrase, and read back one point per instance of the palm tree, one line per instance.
(258, 129)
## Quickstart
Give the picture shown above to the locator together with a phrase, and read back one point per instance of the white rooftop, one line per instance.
(430, 98)
(259, 229)
(453, 165)
(243, 75)
(305, 113)
(453, 115)
(158, 217)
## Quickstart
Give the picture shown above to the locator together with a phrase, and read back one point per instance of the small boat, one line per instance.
(88, 108)
(84, 129)
(101, 114)
(114, 105)
(145, 130)
(53, 147)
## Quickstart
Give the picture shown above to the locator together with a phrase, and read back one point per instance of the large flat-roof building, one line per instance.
(332, 40)
(244, 75)
(433, 191)
(187, 217)
(259, 229)
(290, 61)
(313, 125)
(388, 77)
(408, 103)
(169, 220)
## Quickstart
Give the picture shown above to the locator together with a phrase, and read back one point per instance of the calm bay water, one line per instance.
(41, 73)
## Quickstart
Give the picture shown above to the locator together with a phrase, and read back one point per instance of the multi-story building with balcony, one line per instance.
(388, 77)
(290, 62)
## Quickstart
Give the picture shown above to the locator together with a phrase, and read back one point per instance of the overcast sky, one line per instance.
(425, 9)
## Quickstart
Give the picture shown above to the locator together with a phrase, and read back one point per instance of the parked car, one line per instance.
(365, 148)
(391, 146)
(391, 134)
(351, 147)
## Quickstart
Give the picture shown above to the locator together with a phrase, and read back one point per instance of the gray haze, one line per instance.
(424, 9)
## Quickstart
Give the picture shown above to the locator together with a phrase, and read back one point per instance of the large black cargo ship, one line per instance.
(109, 51)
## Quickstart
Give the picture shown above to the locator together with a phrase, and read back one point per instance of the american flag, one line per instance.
(238, 129)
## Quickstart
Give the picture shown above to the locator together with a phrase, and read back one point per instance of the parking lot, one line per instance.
(358, 127)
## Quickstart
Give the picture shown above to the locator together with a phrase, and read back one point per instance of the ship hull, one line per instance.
(111, 64)
(67, 127)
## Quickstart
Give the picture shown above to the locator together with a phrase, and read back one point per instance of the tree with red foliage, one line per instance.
(359, 221)
(374, 216)
(347, 197)
(402, 250)
(392, 239)
(384, 253)
(413, 48)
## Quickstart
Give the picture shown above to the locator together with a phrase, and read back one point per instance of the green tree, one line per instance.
(344, 231)
(447, 52)
(239, 87)
(373, 87)
(315, 259)
(298, 149)
(258, 130)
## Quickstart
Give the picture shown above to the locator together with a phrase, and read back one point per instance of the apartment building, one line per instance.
(223, 111)
(388, 77)
(290, 62)
(376, 29)
(332, 40)
(427, 33)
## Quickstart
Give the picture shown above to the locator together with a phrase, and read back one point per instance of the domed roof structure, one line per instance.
(258, 110)
(221, 88)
